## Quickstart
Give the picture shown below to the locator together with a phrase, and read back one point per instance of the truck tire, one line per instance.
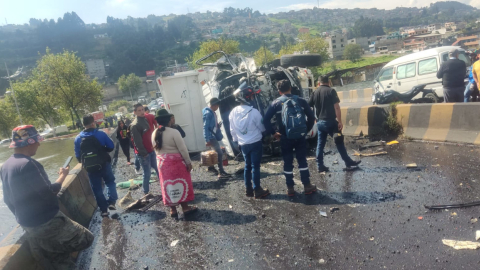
(301, 60)
(432, 97)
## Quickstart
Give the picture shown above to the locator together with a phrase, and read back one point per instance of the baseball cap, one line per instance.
(25, 135)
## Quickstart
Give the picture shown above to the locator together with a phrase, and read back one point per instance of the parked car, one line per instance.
(221, 79)
(142, 100)
(405, 72)
(58, 129)
(5, 142)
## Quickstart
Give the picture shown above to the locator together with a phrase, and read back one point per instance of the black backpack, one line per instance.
(93, 154)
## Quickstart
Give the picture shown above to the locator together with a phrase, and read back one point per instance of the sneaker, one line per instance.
(261, 193)
(104, 214)
(224, 175)
(322, 169)
(353, 163)
(290, 191)
(309, 189)
(112, 206)
(138, 172)
(249, 192)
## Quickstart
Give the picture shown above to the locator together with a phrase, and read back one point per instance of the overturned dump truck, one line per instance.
(187, 93)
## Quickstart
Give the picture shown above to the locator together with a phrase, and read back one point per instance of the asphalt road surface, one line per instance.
(381, 221)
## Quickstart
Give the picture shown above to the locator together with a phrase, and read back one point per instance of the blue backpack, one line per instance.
(293, 118)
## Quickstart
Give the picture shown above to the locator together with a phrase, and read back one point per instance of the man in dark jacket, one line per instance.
(105, 172)
(289, 145)
(329, 122)
(452, 73)
(32, 198)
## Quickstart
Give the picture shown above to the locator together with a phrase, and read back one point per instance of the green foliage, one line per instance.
(61, 78)
(366, 27)
(35, 104)
(117, 104)
(391, 126)
(8, 118)
(263, 56)
(129, 84)
(344, 64)
(310, 43)
(226, 45)
(353, 52)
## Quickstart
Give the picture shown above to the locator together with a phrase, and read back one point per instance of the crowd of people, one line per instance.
(452, 72)
(158, 144)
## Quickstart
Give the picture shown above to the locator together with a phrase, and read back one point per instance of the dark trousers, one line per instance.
(454, 94)
(300, 147)
(126, 149)
(252, 153)
(96, 182)
(326, 128)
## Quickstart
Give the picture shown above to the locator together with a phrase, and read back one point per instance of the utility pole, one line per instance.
(13, 92)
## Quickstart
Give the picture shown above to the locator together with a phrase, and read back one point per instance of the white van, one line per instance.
(410, 70)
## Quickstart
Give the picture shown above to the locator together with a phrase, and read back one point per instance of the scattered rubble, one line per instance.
(461, 244)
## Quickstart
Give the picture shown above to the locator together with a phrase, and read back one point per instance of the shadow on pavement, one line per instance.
(327, 198)
(220, 217)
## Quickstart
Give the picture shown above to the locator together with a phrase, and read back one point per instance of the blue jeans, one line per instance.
(300, 147)
(468, 92)
(252, 153)
(148, 162)
(96, 183)
(137, 162)
(326, 128)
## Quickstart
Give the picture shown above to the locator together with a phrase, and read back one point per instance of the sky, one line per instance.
(96, 11)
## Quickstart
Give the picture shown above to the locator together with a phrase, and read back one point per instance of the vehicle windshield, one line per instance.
(385, 74)
(461, 55)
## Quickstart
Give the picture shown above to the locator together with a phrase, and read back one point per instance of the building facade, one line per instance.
(96, 68)
(336, 45)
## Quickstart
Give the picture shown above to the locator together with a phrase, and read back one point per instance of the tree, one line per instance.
(130, 83)
(226, 45)
(61, 77)
(352, 52)
(35, 103)
(8, 118)
(263, 56)
(312, 44)
(117, 104)
(366, 27)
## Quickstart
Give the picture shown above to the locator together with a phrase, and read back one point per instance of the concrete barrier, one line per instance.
(452, 122)
(76, 201)
(355, 95)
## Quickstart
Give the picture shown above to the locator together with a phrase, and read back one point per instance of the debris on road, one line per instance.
(129, 183)
(436, 147)
(436, 165)
(174, 243)
(420, 218)
(274, 164)
(321, 261)
(230, 206)
(323, 214)
(412, 165)
(334, 209)
(461, 244)
(460, 205)
(372, 238)
(477, 235)
(358, 154)
(473, 220)
(231, 260)
(453, 214)
(372, 144)
(392, 143)
(126, 200)
(144, 203)
(335, 162)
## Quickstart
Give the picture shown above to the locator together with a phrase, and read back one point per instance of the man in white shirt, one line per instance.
(246, 129)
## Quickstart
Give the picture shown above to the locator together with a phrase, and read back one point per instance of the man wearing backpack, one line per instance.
(290, 112)
(91, 149)
(329, 115)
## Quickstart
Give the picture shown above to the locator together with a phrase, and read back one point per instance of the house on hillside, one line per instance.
(461, 41)
(304, 30)
(336, 45)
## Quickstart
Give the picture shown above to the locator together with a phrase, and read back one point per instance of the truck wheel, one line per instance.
(432, 97)
(301, 60)
(275, 63)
